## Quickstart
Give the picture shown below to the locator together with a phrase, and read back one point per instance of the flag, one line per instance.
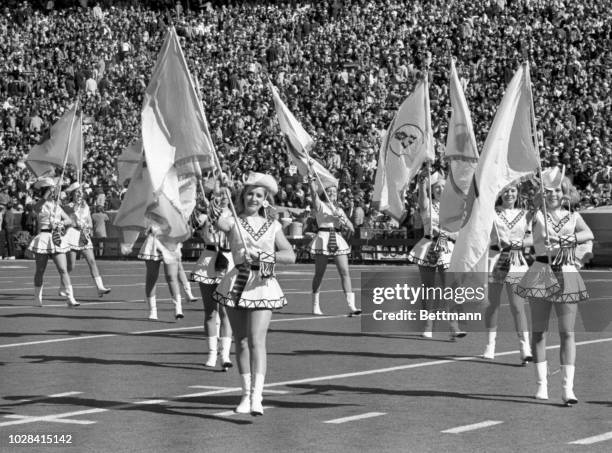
(298, 142)
(62, 144)
(509, 154)
(128, 161)
(406, 145)
(172, 112)
(141, 202)
(462, 156)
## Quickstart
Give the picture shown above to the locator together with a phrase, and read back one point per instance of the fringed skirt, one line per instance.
(319, 244)
(153, 250)
(43, 244)
(208, 269)
(258, 293)
(558, 284)
(507, 266)
(77, 239)
(432, 253)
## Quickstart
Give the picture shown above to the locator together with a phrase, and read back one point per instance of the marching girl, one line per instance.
(212, 265)
(156, 249)
(329, 242)
(564, 230)
(507, 266)
(48, 242)
(249, 290)
(78, 237)
(433, 252)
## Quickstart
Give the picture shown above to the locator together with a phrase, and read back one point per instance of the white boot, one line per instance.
(226, 346)
(567, 393)
(71, 301)
(350, 301)
(489, 352)
(316, 308)
(525, 348)
(212, 352)
(245, 402)
(257, 395)
(190, 297)
(62, 291)
(152, 301)
(101, 289)
(542, 379)
(38, 296)
(178, 307)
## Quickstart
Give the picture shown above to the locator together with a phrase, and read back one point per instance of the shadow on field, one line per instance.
(326, 389)
(114, 362)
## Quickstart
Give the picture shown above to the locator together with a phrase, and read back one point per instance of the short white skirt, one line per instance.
(318, 245)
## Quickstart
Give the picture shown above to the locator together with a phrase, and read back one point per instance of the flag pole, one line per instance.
(212, 146)
(536, 145)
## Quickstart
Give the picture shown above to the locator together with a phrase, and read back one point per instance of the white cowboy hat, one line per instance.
(72, 187)
(45, 181)
(437, 178)
(262, 180)
(553, 177)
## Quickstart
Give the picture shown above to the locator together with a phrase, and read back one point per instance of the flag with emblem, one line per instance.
(407, 144)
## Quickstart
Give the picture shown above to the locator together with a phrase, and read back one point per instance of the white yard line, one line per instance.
(472, 427)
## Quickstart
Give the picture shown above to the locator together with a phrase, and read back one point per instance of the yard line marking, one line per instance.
(212, 392)
(59, 395)
(337, 421)
(472, 427)
(593, 439)
(210, 387)
(278, 392)
(149, 402)
(56, 420)
(56, 340)
(51, 418)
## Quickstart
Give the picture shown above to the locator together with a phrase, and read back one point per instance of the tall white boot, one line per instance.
(245, 402)
(567, 392)
(190, 297)
(70, 300)
(101, 289)
(489, 352)
(316, 308)
(38, 296)
(178, 307)
(542, 379)
(350, 301)
(152, 301)
(526, 355)
(226, 346)
(257, 395)
(212, 352)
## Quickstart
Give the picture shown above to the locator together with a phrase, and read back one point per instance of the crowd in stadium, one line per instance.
(342, 66)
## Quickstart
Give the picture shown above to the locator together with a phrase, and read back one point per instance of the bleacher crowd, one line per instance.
(343, 67)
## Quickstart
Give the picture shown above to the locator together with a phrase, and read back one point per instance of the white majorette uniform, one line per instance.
(50, 214)
(154, 249)
(570, 287)
(328, 224)
(432, 251)
(261, 290)
(78, 236)
(216, 258)
(508, 265)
